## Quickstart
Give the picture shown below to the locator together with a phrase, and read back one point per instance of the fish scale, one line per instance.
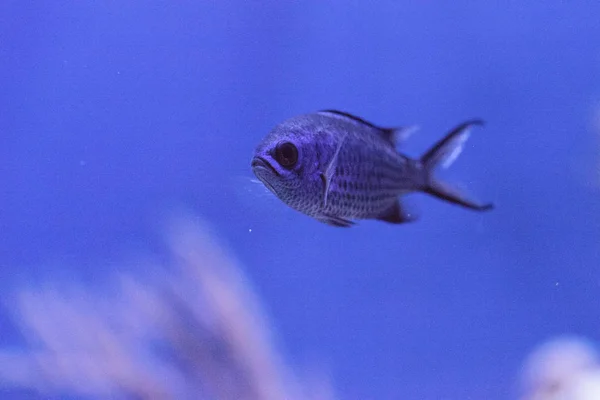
(365, 182)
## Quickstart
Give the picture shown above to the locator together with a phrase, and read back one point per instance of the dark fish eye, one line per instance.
(286, 154)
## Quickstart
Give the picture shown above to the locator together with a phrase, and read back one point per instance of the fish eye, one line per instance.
(286, 154)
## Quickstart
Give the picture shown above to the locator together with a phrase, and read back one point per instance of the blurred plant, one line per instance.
(190, 330)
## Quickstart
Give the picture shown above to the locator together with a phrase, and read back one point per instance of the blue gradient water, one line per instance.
(112, 113)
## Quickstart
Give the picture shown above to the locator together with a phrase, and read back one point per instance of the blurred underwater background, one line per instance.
(116, 116)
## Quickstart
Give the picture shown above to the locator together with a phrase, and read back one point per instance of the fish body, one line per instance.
(336, 167)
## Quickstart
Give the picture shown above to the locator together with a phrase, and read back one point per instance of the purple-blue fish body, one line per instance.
(337, 168)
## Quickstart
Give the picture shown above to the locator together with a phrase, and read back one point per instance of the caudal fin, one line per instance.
(444, 153)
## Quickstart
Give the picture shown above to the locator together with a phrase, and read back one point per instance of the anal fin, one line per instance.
(397, 214)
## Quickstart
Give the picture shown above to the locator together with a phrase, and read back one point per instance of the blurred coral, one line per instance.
(562, 369)
(194, 329)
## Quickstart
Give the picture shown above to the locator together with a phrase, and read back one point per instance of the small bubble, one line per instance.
(250, 230)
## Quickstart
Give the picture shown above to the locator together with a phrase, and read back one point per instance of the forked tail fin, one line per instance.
(444, 153)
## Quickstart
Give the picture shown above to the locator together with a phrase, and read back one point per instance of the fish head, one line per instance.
(286, 162)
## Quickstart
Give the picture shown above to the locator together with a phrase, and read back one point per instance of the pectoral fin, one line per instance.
(327, 174)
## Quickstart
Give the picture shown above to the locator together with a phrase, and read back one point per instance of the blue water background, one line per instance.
(114, 112)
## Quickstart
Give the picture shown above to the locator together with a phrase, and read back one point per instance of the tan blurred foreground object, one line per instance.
(194, 330)
(562, 369)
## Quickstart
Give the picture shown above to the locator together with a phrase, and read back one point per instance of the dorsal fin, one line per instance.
(391, 135)
(400, 133)
(352, 117)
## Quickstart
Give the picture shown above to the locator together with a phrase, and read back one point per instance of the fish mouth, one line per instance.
(261, 163)
(259, 166)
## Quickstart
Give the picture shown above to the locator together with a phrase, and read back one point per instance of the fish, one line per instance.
(339, 168)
